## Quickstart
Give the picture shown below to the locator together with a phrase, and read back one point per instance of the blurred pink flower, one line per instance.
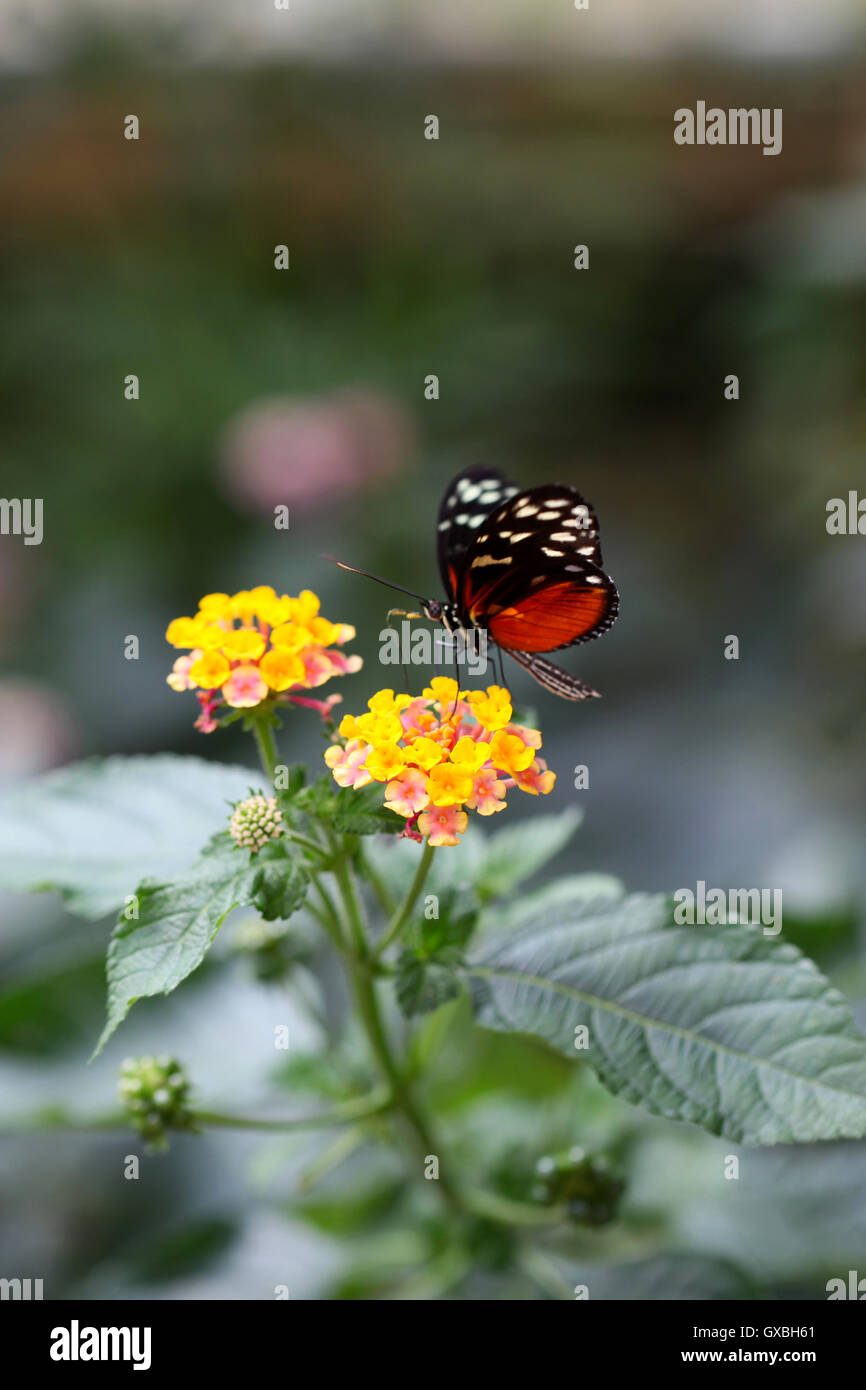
(305, 452)
(37, 729)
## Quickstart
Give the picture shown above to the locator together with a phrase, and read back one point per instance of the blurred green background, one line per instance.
(306, 387)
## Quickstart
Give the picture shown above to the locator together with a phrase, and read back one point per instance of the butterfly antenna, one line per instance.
(367, 575)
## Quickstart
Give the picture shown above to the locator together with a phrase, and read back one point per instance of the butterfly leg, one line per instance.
(498, 652)
(401, 613)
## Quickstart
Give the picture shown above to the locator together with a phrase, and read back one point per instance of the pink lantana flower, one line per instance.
(531, 737)
(416, 717)
(209, 700)
(488, 793)
(347, 764)
(322, 707)
(245, 688)
(407, 794)
(443, 825)
(321, 665)
(179, 678)
(536, 780)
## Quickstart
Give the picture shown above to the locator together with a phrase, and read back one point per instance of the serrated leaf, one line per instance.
(571, 890)
(279, 883)
(94, 830)
(448, 932)
(349, 810)
(174, 929)
(517, 851)
(720, 1026)
(421, 986)
(364, 813)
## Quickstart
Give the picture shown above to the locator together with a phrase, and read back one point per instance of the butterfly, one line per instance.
(526, 567)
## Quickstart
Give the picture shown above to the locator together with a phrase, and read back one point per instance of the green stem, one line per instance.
(329, 916)
(267, 747)
(378, 884)
(398, 921)
(307, 844)
(511, 1213)
(352, 1111)
(545, 1274)
(358, 964)
(352, 905)
(423, 1141)
(359, 1108)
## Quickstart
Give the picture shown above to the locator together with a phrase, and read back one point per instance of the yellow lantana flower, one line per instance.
(449, 785)
(470, 754)
(243, 644)
(384, 761)
(210, 671)
(281, 669)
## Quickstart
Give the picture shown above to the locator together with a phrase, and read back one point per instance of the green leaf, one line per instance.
(427, 969)
(182, 1251)
(422, 986)
(280, 884)
(570, 890)
(719, 1026)
(175, 927)
(350, 811)
(520, 850)
(346, 1214)
(295, 781)
(93, 830)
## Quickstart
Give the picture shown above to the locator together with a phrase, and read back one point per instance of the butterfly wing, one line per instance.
(468, 501)
(532, 575)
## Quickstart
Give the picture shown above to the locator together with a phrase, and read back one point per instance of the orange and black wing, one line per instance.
(532, 575)
(468, 501)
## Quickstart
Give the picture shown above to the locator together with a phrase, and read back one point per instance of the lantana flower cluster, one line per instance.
(253, 646)
(439, 755)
